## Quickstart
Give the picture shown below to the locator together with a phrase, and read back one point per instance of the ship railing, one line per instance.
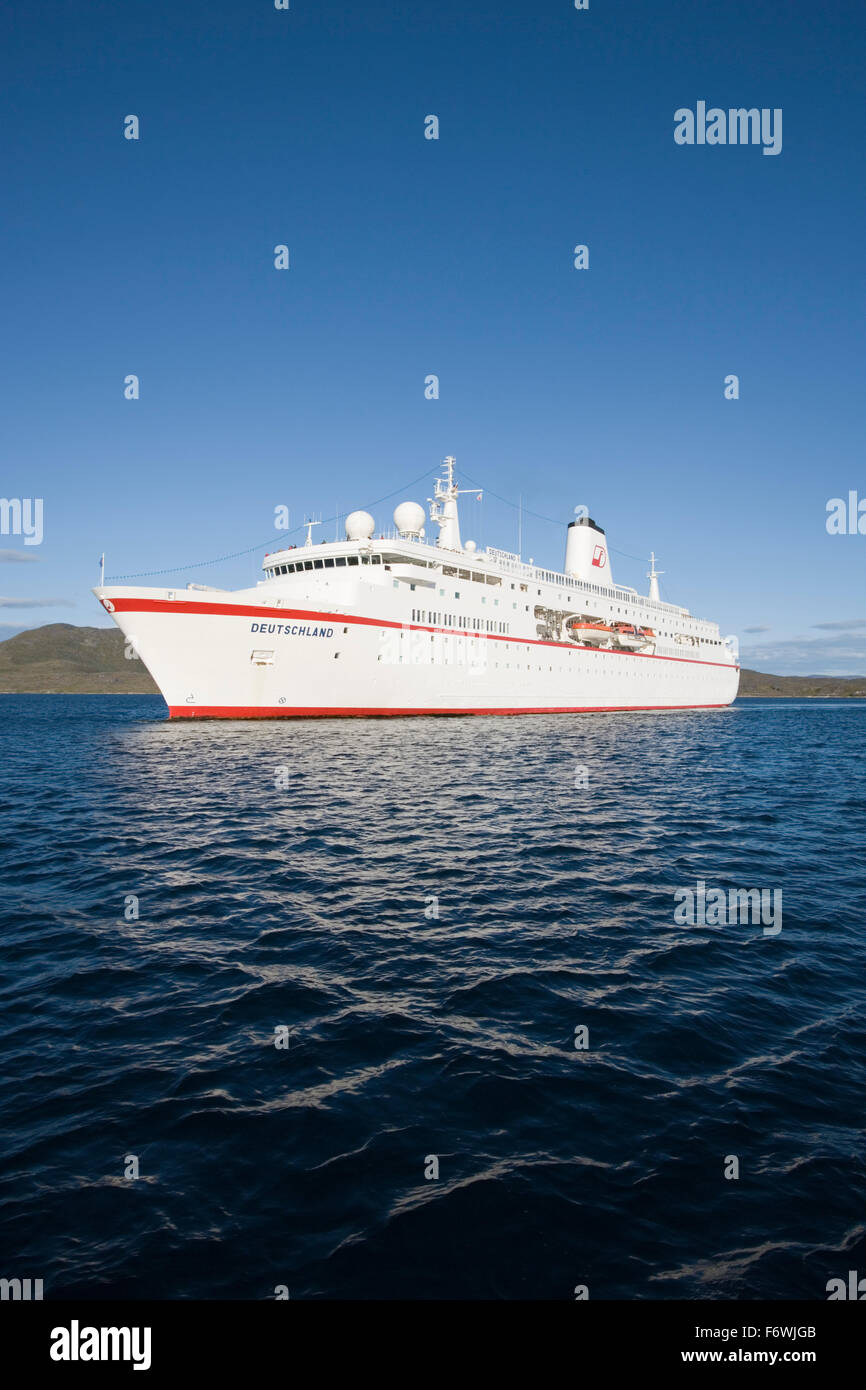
(579, 586)
(521, 570)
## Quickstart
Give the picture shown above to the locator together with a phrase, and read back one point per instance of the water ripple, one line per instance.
(428, 912)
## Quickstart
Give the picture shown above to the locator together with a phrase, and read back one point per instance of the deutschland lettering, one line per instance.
(293, 629)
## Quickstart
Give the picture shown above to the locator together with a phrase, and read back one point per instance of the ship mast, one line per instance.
(653, 577)
(443, 507)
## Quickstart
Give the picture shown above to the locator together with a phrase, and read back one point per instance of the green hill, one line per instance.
(758, 683)
(61, 658)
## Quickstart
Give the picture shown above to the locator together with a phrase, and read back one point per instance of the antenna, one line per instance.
(102, 570)
(443, 506)
(653, 577)
(309, 525)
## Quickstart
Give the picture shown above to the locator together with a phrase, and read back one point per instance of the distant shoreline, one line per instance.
(788, 695)
(62, 659)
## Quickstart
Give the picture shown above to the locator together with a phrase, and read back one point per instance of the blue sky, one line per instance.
(409, 256)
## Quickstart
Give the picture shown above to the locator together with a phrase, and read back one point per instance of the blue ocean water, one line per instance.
(431, 907)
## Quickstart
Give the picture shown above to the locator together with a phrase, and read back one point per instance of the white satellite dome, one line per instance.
(471, 547)
(359, 526)
(409, 518)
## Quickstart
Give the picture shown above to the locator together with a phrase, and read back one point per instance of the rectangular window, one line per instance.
(329, 564)
(341, 560)
(352, 560)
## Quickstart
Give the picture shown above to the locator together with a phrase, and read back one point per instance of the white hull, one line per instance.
(232, 656)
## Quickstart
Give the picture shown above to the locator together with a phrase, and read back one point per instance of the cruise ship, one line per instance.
(398, 624)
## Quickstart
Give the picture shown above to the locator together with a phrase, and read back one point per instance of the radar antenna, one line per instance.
(443, 506)
(653, 577)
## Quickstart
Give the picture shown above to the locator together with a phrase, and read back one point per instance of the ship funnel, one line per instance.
(586, 555)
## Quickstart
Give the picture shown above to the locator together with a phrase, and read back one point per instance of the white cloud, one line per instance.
(847, 625)
(17, 557)
(36, 603)
(843, 655)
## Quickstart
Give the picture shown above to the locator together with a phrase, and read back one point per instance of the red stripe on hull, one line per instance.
(234, 610)
(312, 712)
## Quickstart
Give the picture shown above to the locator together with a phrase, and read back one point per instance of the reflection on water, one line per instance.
(431, 908)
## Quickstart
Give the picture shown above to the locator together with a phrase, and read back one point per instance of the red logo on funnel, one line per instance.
(599, 557)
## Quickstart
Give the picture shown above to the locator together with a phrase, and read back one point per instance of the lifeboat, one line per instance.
(631, 637)
(591, 634)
